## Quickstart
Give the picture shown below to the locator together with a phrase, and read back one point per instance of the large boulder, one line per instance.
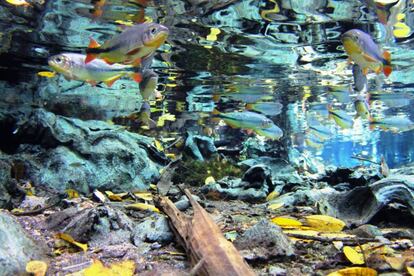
(16, 247)
(62, 153)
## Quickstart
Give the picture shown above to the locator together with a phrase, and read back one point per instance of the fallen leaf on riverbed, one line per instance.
(410, 270)
(325, 223)
(144, 195)
(68, 238)
(37, 268)
(354, 271)
(112, 196)
(72, 193)
(353, 256)
(142, 207)
(272, 196)
(275, 206)
(124, 268)
(286, 222)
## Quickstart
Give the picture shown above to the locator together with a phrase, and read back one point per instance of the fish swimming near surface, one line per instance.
(273, 132)
(244, 119)
(363, 51)
(361, 107)
(360, 80)
(391, 99)
(341, 118)
(73, 67)
(131, 46)
(318, 130)
(394, 124)
(266, 108)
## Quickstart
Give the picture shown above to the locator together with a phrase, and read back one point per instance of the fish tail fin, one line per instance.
(387, 69)
(90, 53)
(90, 57)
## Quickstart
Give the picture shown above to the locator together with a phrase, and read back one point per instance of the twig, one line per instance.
(37, 211)
(173, 143)
(196, 268)
(331, 239)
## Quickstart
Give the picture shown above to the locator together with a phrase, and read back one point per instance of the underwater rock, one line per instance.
(10, 195)
(63, 153)
(235, 188)
(16, 247)
(153, 229)
(263, 242)
(280, 169)
(183, 203)
(367, 231)
(201, 147)
(390, 199)
(258, 176)
(354, 177)
(100, 226)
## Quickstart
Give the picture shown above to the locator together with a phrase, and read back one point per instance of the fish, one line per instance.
(362, 49)
(391, 99)
(341, 118)
(318, 130)
(273, 132)
(19, 3)
(244, 119)
(385, 170)
(362, 108)
(394, 124)
(129, 47)
(148, 86)
(266, 108)
(73, 67)
(313, 142)
(341, 94)
(360, 80)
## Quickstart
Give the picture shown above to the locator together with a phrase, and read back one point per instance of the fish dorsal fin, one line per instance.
(93, 43)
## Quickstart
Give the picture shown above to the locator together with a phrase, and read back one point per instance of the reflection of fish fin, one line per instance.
(216, 98)
(110, 82)
(387, 70)
(137, 77)
(93, 44)
(136, 62)
(249, 106)
(368, 58)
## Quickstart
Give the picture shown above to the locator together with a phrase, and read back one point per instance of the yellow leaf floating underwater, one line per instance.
(286, 222)
(142, 207)
(209, 180)
(158, 145)
(69, 239)
(401, 30)
(355, 271)
(72, 193)
(38, 268)
(410, 270)
(213, 34)
(325, 223)
(353, 256)
(272, 196)
(125, 268)
(46, 74)
(144, 196)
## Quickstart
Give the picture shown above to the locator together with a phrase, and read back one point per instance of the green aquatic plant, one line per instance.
(194, 172)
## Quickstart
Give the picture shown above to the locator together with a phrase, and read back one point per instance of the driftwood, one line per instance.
(203, 241)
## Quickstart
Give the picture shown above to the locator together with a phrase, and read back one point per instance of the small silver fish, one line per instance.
(360, 80)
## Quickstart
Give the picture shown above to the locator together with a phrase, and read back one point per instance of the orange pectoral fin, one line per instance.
(137, 77)
(90, 57)
(110, 82)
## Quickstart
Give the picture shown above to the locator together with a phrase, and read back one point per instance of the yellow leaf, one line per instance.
(353, 256)
(165, 117)
(144, 196)
(213, 34)
(354, 271)
(46, 74)
(174, 253)
(275, 206)
(272, 196)
(38, 268)
(153, 186)
(401, 30)
(158, 145)
(286, 222)
(72, 193)
(325, 223)
(125, 268)
(142, 207)
(396, 263)
(125, 23)
(410, 270)
(69, 239)
(17, 210)
(209, 180)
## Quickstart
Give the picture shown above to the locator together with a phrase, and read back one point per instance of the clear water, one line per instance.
(222, 55)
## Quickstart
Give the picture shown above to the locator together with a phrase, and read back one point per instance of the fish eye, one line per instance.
(58, 60)
(153, 30)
